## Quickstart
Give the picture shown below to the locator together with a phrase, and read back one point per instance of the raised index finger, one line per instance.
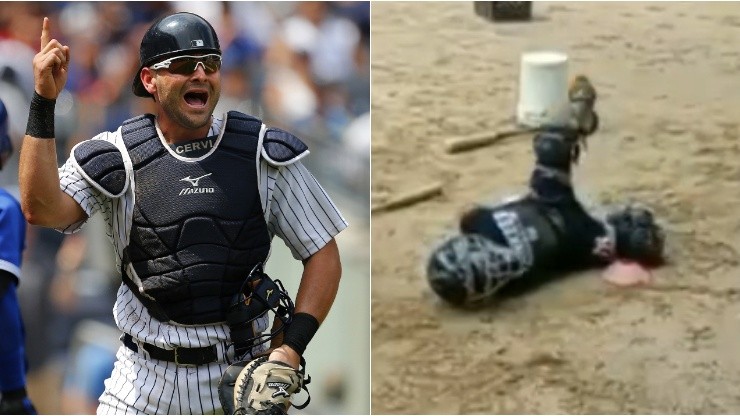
(45, 33)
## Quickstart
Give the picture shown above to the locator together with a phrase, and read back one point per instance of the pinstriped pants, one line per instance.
(139, 385)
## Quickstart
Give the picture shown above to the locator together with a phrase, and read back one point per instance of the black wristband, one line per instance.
(41, 117)
(300, 331)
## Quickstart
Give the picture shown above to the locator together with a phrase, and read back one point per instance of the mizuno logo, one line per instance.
(280, 389)
(195, 189)
(194, 181)
(269, 292)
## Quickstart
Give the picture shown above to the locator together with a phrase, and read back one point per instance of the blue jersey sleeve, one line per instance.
(12, 351)
(12, 234)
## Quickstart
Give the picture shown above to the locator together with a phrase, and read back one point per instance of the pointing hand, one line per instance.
(50, 65)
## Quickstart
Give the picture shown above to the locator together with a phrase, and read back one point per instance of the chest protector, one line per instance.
(543, 228)
(198, 227)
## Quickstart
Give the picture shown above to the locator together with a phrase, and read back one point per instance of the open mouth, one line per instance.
(196, 98)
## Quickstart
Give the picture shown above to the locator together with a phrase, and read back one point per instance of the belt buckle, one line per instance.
(177, 359)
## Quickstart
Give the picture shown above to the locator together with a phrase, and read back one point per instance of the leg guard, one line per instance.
(556, 150)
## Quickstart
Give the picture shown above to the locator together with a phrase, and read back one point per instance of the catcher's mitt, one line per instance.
(261, 387)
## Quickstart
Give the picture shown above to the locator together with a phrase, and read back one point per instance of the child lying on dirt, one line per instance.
(523, 242)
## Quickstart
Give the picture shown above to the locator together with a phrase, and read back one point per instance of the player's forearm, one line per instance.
(315, 297)
(38, 177)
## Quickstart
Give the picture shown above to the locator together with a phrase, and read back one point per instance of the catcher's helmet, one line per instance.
(463, 270)
(6, 146)
(177, 34)
(639, 237)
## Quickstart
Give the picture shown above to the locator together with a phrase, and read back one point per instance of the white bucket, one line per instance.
(543, 90)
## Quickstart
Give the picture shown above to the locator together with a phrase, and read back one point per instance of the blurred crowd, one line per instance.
(300, 66)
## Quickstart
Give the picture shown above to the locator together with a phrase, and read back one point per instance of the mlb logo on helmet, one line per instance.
(196, 43)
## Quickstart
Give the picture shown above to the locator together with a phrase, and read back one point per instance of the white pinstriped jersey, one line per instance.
(296, 208)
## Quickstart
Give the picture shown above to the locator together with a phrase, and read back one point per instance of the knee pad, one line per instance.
(556, 149)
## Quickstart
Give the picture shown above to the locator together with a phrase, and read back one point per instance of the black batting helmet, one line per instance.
(176, 34)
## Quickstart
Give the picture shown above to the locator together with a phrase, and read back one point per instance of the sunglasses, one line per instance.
(187, 64)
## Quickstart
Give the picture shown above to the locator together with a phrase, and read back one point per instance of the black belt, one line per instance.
(179, 356)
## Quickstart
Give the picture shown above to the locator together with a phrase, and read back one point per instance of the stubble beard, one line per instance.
(172, 102)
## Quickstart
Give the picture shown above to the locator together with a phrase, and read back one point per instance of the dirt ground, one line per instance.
(668, 75)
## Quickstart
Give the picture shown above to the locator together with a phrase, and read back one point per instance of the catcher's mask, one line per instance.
(177, 34)
(463, 272)
(638, 235)
(258, 295)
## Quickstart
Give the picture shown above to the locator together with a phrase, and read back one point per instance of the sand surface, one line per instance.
(668, 75)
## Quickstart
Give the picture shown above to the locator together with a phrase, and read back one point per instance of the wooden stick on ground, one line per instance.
(409, 198)
(465, 143)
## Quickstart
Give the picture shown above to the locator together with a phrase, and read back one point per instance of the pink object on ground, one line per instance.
(627, 273)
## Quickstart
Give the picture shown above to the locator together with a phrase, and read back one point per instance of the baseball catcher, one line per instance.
(518, 243)
(192, 201)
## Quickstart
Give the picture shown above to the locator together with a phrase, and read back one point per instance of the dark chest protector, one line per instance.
(198, 227)
(543, 228)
